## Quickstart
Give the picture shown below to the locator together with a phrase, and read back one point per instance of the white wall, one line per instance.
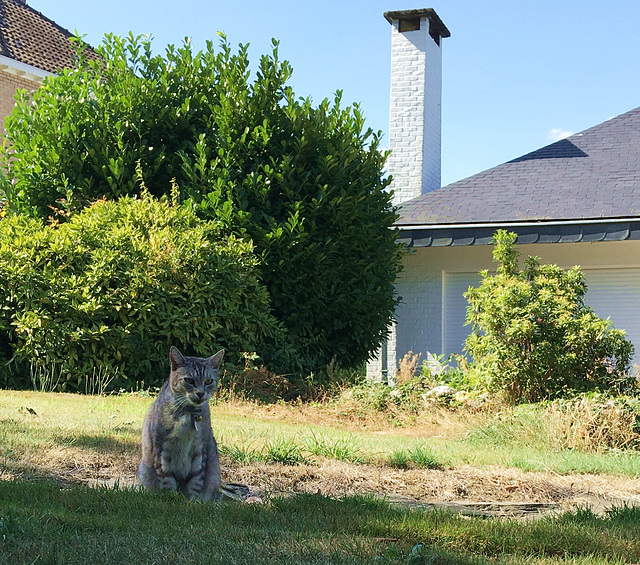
(422, 319)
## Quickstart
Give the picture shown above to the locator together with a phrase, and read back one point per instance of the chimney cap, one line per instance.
(436, 26)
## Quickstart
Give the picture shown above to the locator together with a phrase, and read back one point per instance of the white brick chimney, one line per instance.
(415, 105)
(414, 128)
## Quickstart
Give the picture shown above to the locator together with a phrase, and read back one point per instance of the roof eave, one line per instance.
(23, 70)
(516, 223)
(573, 231)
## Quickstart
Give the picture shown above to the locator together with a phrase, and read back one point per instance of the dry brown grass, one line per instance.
(96, 442)
(592, 426)
(463, 485)
(349, 414)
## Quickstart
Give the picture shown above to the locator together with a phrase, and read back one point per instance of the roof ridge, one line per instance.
(569, 138)
(23, 3)
(606, 122)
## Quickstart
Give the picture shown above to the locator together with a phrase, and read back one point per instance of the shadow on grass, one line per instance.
(27, 451)
(78, 524)
(101, 443)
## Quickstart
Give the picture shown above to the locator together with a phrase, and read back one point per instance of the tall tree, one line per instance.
(305, 183)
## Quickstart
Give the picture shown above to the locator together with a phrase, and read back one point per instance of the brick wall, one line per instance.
(9, 83)
(414, 112)
(414, 164)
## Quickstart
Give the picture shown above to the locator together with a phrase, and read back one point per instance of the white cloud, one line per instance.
(556, 134)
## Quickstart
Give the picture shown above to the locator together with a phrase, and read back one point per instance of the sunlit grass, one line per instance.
(48, 430)
(61, 435)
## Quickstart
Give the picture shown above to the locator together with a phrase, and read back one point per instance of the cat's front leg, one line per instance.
(166, 480)
(193, 487)
(211, 479)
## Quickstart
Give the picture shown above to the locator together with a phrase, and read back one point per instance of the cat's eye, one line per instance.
(208, 382)
(190, 381)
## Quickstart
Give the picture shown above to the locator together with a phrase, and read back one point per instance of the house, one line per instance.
(31, 47)
(573, 202)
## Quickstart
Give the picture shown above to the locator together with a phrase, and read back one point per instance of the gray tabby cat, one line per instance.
(178, 449)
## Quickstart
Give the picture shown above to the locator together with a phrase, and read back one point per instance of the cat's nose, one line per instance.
(200, 394)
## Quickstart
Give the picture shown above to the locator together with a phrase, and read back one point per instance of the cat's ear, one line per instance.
(216, 360)
(177, 359)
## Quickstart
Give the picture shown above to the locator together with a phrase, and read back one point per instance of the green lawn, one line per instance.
(51, 443)
(43, 523)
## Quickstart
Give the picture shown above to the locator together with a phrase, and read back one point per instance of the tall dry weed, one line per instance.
(407, 368)
(590, 425)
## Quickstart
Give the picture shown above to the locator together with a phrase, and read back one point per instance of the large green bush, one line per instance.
(534, 337)
(111, 289)
(305, 183)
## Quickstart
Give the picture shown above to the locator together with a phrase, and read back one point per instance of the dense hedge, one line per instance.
(304, 182)
(111, 289)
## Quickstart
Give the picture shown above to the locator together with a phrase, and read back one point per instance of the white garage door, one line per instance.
(615, 294)
(612, 293)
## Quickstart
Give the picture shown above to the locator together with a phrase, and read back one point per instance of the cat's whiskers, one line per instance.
(180, 401)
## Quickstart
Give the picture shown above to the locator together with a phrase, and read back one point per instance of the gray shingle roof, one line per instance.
(29, 37)
(592, 174)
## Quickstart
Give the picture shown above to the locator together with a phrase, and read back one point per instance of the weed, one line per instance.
(423, 457)
(45, 379)
(398, 459)
(418, 456)
(241, 454)
(97, 383)
(344, 448)
(407, 368)
(285, 451)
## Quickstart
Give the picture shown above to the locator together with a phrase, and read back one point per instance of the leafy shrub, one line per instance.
(306, 184)
(120, 282)
(533, 336)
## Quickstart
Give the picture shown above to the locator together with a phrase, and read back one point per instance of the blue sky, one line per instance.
(516, 75)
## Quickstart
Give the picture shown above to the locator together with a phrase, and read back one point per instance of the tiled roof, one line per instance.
(31, 38)
(590, 175)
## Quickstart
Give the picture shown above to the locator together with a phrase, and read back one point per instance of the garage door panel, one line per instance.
(612, 293)
(615, 294)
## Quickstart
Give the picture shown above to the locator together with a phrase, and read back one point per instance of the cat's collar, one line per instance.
(194, 412)
(196, 416)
